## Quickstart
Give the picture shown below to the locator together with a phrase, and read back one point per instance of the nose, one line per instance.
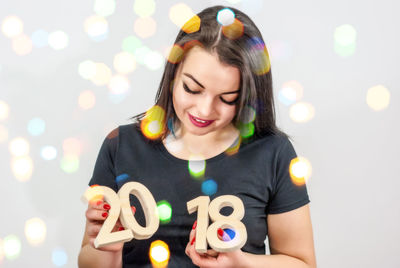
(205, 108)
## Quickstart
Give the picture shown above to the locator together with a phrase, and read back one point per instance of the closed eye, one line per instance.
(229, 102)
(187, 89)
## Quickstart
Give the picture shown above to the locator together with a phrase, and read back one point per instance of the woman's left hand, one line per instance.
(212, 258)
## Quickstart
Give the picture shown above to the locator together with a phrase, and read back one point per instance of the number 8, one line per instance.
(120, 203)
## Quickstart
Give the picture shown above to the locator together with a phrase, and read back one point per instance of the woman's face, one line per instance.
(204, 93)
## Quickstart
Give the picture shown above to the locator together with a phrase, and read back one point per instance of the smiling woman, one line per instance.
(213, 124)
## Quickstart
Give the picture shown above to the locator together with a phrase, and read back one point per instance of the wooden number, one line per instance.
(232, 221)
(209, 234)
(120, 208)
(149, 207)
(201, 205)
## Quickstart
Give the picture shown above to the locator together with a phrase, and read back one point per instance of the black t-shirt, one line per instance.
(258, 173)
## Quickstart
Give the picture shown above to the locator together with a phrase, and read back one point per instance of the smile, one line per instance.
(199, 122)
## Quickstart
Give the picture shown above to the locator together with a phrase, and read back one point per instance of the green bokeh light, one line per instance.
(104, 7)
(197, 168)
(144, 8)
(246, 130)
(345, 35)
(164, 211)
(11, 247)
(70, 163)
(131, 44)
(345, 51)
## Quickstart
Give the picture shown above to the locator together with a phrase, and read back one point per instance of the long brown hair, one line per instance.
(256, 89)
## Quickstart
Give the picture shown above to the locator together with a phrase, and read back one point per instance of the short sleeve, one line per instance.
(104, 169)
(286, 195)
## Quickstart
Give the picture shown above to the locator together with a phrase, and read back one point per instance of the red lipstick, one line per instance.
(198, 122)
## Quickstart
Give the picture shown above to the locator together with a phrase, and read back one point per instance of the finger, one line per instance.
(96, 215)
(202, 260)
(93, 230)
(212, 253)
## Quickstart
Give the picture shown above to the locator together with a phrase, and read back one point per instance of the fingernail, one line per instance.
(194, 225)
(194, 239)
(106, 206)
(220, 232)
(133, 209)
(105, 214)
(99, 202)
(121, 228)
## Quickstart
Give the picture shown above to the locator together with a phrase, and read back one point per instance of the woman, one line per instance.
(215, 103)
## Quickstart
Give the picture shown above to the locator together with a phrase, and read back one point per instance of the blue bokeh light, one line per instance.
(209, 187)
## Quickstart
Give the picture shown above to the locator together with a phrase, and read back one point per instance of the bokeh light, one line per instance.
(130, 44)
(48, 152)
(35, 231)
(345, 40)
(12, 26)
(3, 133)
(378, 97)
(246, 130)
(301, 112)
(1, 251)
(4, 110)
(152, 125)
(59, 257)
(159, 254)
(180, 13)
(145, 27)
(58, 40)
(12, 247)
(36, 126)
(196, 166)
(22, 168)
(97, 28)
(70, 163)
(93, 194)
(225, 16)
(234, 148)
(102, 75)
(175, 54)
(124, 62)
(226, 234)
(249, 115)
(86, 100)
(87, 69)
(72, 146)
(192, 25)
(209, 187)
(141, 54)
(234, 30)
(104, 7)
(19, 147)
(164, 211)
(121, 178)
(300, 170)
(119, 84)
(290, 92)
(40, 38)
(173, 145)
(144, 8)
(154, 60)
(261, 63)
(22, 45)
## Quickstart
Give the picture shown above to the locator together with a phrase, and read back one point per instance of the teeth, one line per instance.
(198, 120)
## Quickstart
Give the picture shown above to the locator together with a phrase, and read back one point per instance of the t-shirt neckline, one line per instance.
(185, 161)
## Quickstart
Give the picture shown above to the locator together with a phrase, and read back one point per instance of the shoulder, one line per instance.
(273, 143)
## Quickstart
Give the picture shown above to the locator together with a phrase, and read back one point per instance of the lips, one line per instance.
(199, 122)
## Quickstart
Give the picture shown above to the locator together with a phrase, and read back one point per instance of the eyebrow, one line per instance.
(197, 82)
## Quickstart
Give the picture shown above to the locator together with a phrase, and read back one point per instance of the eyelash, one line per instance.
(186, 88)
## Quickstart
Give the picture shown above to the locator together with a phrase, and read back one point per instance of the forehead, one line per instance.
(206, 68)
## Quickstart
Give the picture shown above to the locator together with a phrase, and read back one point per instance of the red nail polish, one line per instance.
(99, 202)
(106, 206)
(220, 232)
(194, 225)
(121, 228)
(194, 239)
(133, 209)
(105, 214)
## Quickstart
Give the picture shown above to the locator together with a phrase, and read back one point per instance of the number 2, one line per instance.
(120, 208)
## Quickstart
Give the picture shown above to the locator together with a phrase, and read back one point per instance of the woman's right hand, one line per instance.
(96, 214)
